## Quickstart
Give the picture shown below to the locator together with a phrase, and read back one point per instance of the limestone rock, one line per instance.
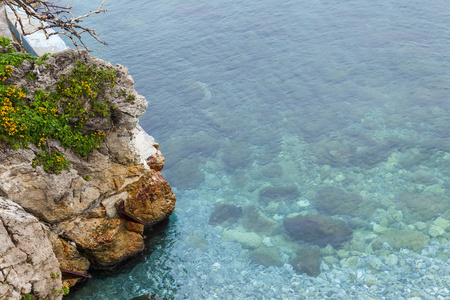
(318, 230)
(27, 259)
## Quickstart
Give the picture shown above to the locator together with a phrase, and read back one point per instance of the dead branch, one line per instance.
(58, 18)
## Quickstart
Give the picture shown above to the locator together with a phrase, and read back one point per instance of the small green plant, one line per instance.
(87, 178)
(63, 291)
(51, 162)
(4, 282)
(130, 98)
(54, 275)
(27, 297)
(31, 76)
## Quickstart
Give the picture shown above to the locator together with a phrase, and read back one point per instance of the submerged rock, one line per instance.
(224, 212)
(272, 171)
(307, 261)
(198, 242)
(254, 220)
(278, 193)
(332, 152)
(334, 201)
(237, 155)
(399, 239)
(185, 174)
(266, 256)
(421, 207)
(246, 239)
(318, 230)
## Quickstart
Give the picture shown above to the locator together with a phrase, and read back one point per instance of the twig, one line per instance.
(52, 16)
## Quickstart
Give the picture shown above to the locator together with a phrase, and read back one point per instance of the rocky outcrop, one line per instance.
(27, 261)
(80, 205)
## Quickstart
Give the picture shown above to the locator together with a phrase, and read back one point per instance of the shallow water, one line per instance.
(335, 109)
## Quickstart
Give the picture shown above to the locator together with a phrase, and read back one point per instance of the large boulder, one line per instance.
(150, 198)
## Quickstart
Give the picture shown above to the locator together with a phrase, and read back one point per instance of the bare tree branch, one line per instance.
(59, 18)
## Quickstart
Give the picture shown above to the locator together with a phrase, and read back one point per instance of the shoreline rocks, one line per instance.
(79, 207)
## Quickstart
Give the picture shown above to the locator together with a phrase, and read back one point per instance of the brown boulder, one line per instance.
(106, 242)
(150, 199)
(69, 258)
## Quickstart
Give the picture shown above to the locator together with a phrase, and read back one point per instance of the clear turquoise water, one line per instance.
(267, 106)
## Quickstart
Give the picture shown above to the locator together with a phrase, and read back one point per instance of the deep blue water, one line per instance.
(332, 108)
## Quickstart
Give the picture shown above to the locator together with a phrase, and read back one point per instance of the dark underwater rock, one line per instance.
(254, 220)
(185, 174)
(420, 207)
(266, 256)
(318, 230)
(334, 201)
(272, 171)
(307, 261)
(148, 297)
(399, 239)
(332, 152)
(278, 193)
(237, 155)
(224, 212)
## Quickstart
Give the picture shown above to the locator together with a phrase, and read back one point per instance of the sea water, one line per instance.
(307, 142)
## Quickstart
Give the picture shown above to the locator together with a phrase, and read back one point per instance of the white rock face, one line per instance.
(26, 255)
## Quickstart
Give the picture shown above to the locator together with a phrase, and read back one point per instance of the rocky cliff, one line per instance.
(93, 212)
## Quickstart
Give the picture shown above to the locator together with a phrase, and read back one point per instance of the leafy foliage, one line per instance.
(59, 115)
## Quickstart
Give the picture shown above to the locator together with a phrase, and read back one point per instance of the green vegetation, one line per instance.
(27, 297)
(59, 115)
(63, 291)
